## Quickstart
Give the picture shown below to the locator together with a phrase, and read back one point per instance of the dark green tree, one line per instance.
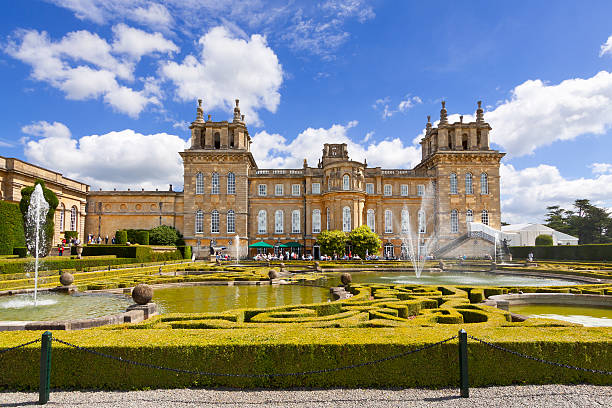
(332, 242)
(591, 224)
(362, 239)
(164, 235)
(51, 199)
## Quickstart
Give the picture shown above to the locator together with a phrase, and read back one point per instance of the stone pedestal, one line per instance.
(65, 289)
(150, 309)
(79, 250)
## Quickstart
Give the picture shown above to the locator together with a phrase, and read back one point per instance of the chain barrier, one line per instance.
(19, 346)
(203, 373)
(540, 360)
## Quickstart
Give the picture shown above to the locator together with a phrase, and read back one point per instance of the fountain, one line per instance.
(35, 230)
(419, 243)
(237, 248)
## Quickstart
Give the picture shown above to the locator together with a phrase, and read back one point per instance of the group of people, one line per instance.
(91, 239)
(286, 256)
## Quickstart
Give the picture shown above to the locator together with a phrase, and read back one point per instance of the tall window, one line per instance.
(278, 222)
(199, 183)
(422, 223)
(346, 182)
(420, 190)
(389, 250)
(215, 183)
(468, 184)
(262, 222)
(61, 221)
(327, 219)
(453, 183)
(469, 216)
(214, 222)
(231, 221)
(371, 220)
(231, 183)
(484, 183)
(404, 190)
(388, 190)
(346, 219)
(454, 219)
(263, 190)
(484, 217)
(295, 222)
(73, 218)
(369, 188)
(316, 188)
(278, 190)
(388, 222)
(199, 222)
(295, 189)
(405, 221)
(316, 221)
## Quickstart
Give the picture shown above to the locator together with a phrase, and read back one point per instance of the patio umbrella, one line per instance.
(293, 244)
(261, 244)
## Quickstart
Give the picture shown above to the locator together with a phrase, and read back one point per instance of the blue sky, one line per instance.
(103, 91)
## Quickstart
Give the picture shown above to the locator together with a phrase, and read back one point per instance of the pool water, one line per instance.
(56, 306)
(198, 299)
(451, 278)
(585, 315)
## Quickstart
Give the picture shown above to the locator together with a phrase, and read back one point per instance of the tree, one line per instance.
(588, 222)
(51, 199)
(544, 240)
(362, 239)
(332, 242)
(164, 235)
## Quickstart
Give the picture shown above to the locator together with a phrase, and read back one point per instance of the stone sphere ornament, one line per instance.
(66, 279)
(142, 294)
(346, 278)
(272, 274)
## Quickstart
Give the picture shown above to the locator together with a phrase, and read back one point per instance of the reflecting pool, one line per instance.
(585, 315)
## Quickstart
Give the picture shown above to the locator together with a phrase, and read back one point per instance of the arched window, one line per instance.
(217, 140)
(371, 220)
(405, 221)
(231, 221)
(468, 184)
(453, 183)
(346, 182)
(61, 218)
(346, 219)
(316, 221)
(278, 222)
(454, 219)
(262, 222)
(214, 222)
(199, 183)
(484, 217)
(73, 219)
(295, 222)
(199, 221)
(484, 183)
(469, 216)
(215, 183)
(231, 183)
(422, 223)
(388, 221)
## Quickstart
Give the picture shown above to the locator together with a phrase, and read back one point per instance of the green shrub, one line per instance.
(544, 239)
(22, 252)
(185, 251)
(163, 235)
(121, 237)
(11, 228)
(141, 237)
(70, 234)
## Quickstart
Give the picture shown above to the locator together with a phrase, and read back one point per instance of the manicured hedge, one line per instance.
(121, 237)
(590, 252)
(185, 251)
(11, 228)
(22, 252)
(53, 264)
(297, 349)
(141, 237)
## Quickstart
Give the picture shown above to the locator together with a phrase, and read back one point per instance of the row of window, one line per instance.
(469, 217)
(279, 190)
(316, 189)
(73, 218)
(214, 183)
(214, 221)
(469, 185)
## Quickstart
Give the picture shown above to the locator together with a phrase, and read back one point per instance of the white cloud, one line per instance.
(123, 159)
(273, 150)
(606, 48)
(229, 68)
(136, 43)
(45, 129)
(368, 136)
(403, 105)
(601, 168)
(153, 15)
(408, 103)
(526, 193)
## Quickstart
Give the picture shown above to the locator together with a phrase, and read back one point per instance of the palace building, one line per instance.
(228, 200)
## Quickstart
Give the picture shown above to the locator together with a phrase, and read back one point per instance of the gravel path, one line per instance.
(515, 396)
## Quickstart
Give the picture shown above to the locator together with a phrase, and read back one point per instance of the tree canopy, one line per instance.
(332, 242)
(362, 239)
(591, 224)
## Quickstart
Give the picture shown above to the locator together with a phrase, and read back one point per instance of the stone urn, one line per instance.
(142, 294)
(79, 251)
(282, 267)
(66, 279)
(273, 274)
(441, 265)
(317, 266)
(346, 278)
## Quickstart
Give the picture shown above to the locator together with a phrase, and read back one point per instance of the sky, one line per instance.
(103, 91)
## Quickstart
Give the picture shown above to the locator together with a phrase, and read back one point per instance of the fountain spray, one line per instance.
(35, 222)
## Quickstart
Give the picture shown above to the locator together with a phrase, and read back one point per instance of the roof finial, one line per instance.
(479, 113)
(199, 112)
(461, 118)
(237, 111)
(443, 117)
(428, 126)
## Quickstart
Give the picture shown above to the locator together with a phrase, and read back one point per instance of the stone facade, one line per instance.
(70, 214)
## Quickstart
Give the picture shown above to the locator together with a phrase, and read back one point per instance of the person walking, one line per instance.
(106, 240)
